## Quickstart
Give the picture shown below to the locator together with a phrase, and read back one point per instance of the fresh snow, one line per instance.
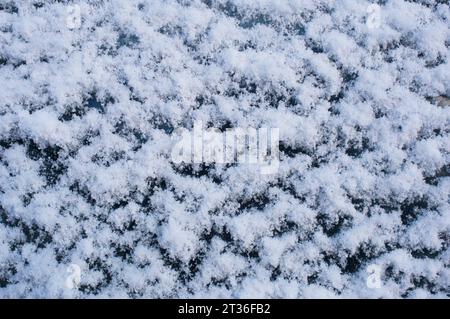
(90, 105)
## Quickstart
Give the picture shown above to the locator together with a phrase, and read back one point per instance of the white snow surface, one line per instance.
(87, 116)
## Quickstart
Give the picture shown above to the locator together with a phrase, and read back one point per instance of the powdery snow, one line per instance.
(89, 108)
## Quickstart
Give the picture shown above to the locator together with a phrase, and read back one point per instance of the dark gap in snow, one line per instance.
(434, 63)
(38, 5)
(251, 253)
(256, 19)
(423, 253)
(256, 201)
(7, 272)
(61, 253)
(123, 251)
(36, 235)
(248, 85)
(276, 273)
(363, 255)
(394, 274)
(86, 140)
(275, 98)
(43, 59)
(26, 199)
(296, 28)
(358, 203)
(219, 282)
(106, 49)
(200, 100)
(97, 264)
(194, 266)
(131, 134)
(10, 141)
(348, 77)
(428, 132)
(157, 183)
(290, 189)
(314, 46)
(223, 233)
(312, 279)
(92, 102)
(420, 281)
(228, 8)
(411, 209)
(71, 111)
(318, 161)
(17, 63)
(52, 165)
(52, 171)
(388, 205)
(203, 59)
(84, 192)
(330, 226)
(171, 30)
(336, 97)
(285, 226)
(292, 151)
(224, 124)
(163, 124)
(243, 19)
(330, 258)
(198, 170)
(7, 220)
(120, 204)
(240, 87)
(172, 262)
(357, 148)
(108, 159)
(134, 96)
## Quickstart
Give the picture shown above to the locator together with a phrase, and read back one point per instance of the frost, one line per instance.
(90, 106)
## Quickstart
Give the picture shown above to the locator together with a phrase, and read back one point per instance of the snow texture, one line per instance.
(88, 109)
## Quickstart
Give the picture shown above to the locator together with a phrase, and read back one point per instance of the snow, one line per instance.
(93, 107)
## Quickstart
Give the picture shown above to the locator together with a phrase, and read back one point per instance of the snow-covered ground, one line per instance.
(92, 93)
